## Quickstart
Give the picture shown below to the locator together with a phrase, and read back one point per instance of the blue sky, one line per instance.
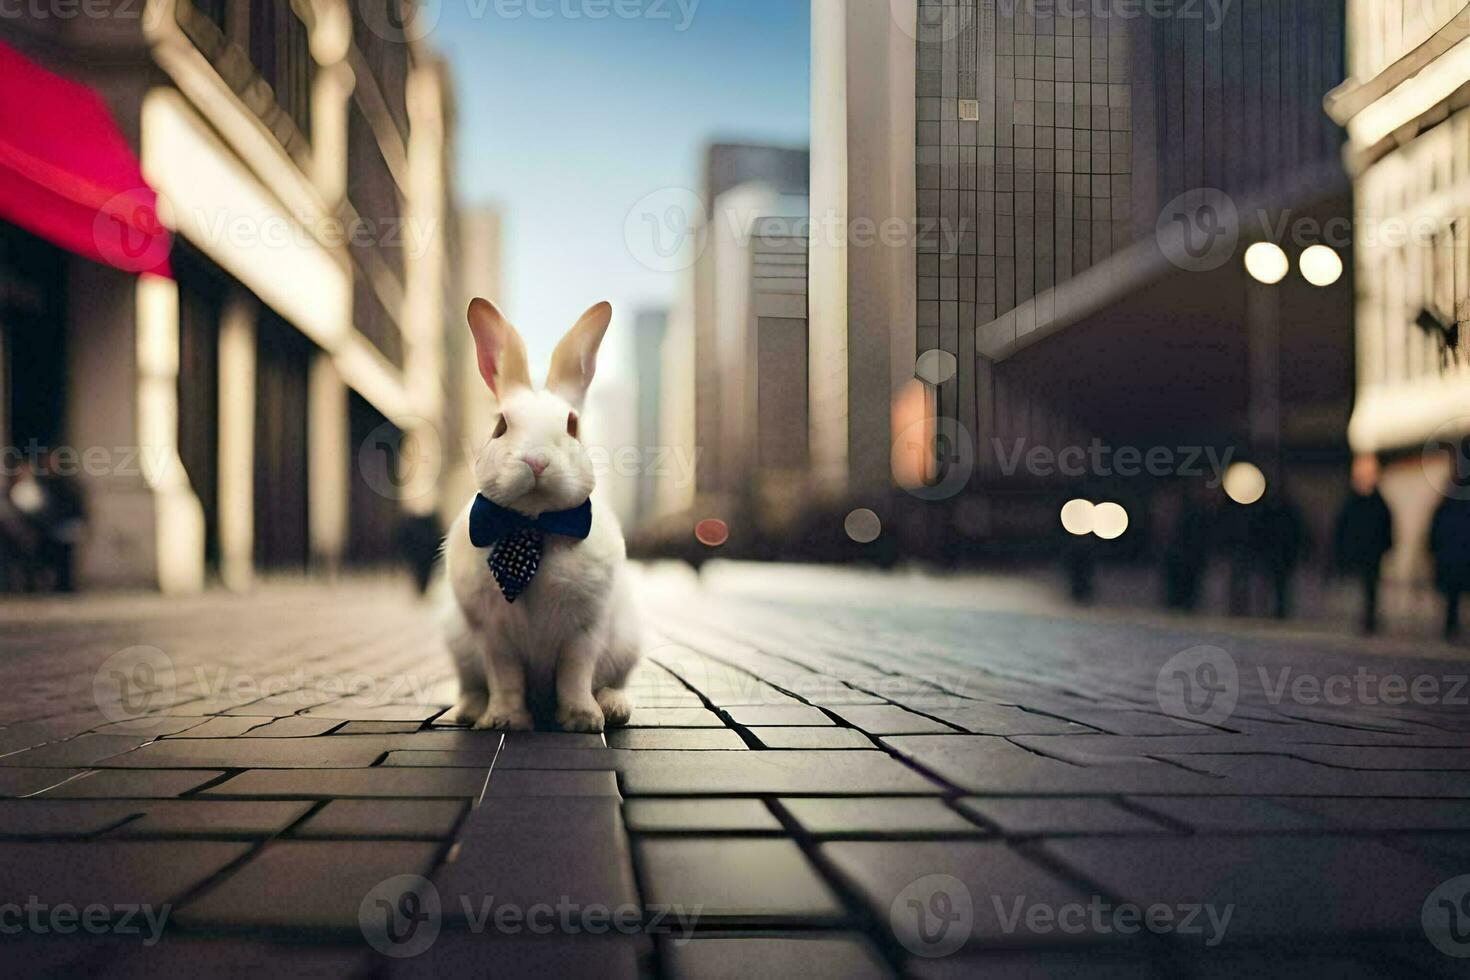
(566, 122)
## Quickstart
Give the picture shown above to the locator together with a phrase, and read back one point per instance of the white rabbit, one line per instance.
(574, 630)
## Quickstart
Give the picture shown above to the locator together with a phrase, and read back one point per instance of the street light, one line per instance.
(1267, 263)
(1077, 517)
(1245, 483)
(1321, 265)
(1109, 521)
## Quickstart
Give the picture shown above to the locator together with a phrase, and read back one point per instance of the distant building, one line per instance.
(650, 326)
(288, 384)
(1038, 154)
(480, 272)
(1409, 152)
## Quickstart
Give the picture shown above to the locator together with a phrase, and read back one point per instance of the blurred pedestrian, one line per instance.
(1278, 543)
(50, 501)
(419, 538)
(1187, 552)
(1449, 540)
(1364, 535)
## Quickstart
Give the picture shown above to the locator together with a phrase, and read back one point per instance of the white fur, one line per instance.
(573, 637)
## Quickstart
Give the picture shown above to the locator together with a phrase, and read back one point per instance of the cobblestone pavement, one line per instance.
(819, 789)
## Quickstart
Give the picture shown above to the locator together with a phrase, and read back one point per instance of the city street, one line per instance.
(826, 776)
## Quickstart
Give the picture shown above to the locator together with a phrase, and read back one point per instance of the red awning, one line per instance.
(68, 175)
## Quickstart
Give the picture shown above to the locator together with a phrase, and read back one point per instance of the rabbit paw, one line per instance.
(467, 710)
(616, 706)
(580, 717)
(499, 717)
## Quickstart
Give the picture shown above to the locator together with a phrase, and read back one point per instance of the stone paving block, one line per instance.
(152, 726)
(121, 784)
(888, 719)
(877, 816)
(1280, 886)
(1385, 815)
(1280, 776)
(377, 728)
(410, 758)
(1230, 814)
(813, 737)
(995, 719)
(16, 781)
(113, 873)
(415, 819)
(295, 726)
(1035, 816)
(1370, 964)
(986, 764)
(79, 752)
(62, 818)
(778, 715)
(733, 880)
(522, 741)
(674, 718)
(326, 784)
(674, 738)
(525, 851)
(531, 756)
(1370, 757)
(306, 884)
(324, 752)
(816, 956)
(656, 772)
(997, 881)
(220, 727)
(352, 711)
(524, 957)
(233, 958)
(1055, 965)
(281, 705)
(213, 818)
(704, 815)
(550, 782)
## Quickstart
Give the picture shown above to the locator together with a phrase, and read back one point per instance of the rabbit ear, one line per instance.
(499, 349)
(575, 359)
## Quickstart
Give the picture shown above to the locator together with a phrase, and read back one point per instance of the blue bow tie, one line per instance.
(515, 540)
(490, 522)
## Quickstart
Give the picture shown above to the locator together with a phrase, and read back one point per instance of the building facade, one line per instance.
(1407, 115)
(289, 381)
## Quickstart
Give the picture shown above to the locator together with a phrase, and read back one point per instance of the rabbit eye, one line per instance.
(572, 424)
(500, 429)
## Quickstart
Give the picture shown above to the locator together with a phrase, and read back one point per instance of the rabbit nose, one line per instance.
(538, 465)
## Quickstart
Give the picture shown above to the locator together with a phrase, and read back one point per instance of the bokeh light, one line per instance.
(863, 526)
(1245, 483)
(1109, 521)
(1267, 263)
(1078, 517)
(1321, 265)
(712, 532)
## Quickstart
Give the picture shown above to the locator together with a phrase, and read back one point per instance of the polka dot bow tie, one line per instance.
(516, 540)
